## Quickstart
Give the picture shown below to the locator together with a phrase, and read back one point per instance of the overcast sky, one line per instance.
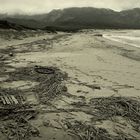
(44, 6)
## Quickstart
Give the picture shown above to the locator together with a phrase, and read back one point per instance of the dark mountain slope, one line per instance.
(94, 18)
(7, 25)
(79, 18)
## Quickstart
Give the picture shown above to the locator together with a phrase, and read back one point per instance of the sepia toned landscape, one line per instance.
(71, 74)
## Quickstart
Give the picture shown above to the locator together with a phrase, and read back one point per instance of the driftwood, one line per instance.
(8, 99)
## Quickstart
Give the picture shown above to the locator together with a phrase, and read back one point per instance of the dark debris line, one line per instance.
(50, 86)
(15, 117)
(107, 108)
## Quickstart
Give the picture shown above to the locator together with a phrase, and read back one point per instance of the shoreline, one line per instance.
(123, 42)
(128, 50)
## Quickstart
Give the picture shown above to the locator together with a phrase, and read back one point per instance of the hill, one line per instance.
(7, 25)
(80, 18)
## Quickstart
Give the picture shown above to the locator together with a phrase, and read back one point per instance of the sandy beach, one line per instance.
(96, 67)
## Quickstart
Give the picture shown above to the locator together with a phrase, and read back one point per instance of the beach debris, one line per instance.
(45, 70)
(15, 122)
(8, 99)
(110, 107)
(51, 84)
(94, 87)
(46, 123)
(99, 35)
(11, 54)
(87, 132)
(78, 91)
(19, 129)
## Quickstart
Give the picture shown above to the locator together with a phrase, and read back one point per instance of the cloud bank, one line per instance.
(44, 6)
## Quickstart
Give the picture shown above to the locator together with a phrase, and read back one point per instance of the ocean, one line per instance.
(128, 37)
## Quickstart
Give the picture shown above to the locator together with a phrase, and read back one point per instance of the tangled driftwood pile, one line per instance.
(17, 130)
(107, 109)
(15, 122)
(51, 85)
(15, 113)
(15, 117)
(50, 81)
(88, 132)
(126, 107)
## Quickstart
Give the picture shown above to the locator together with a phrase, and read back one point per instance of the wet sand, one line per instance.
(96, 67)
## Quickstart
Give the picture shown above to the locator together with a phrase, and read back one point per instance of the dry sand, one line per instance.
(96, 67)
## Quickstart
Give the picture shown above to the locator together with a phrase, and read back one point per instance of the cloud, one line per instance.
(44, 6)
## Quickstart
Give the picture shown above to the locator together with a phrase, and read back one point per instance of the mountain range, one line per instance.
(79, 18)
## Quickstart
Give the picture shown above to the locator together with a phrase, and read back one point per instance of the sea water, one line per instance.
(128, 37)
